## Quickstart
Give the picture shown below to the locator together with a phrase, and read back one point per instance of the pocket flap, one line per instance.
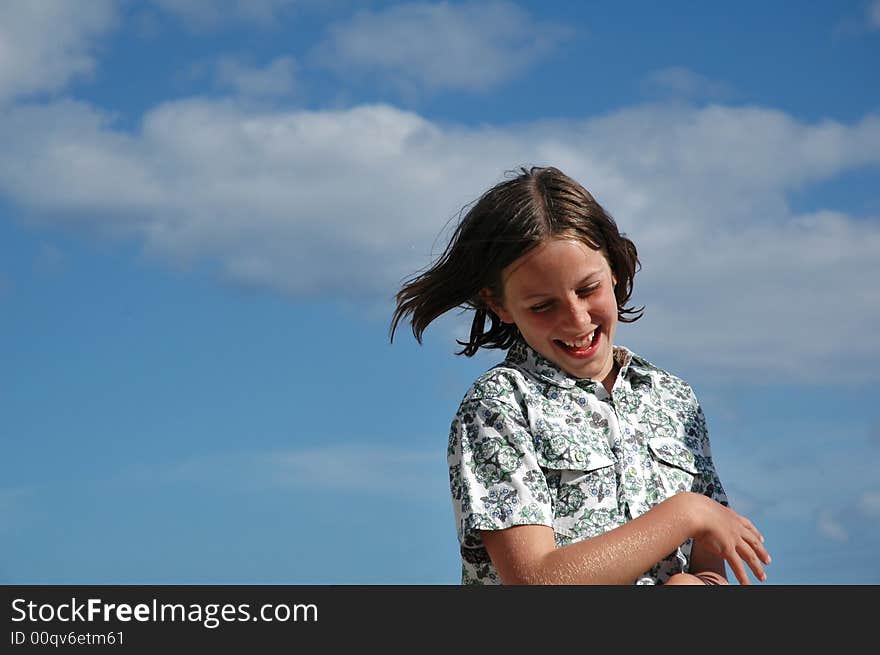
(561, 451)
(673, 452)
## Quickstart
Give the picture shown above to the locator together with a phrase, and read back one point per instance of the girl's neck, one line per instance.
(611, 378)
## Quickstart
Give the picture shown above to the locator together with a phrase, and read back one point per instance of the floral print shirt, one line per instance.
(531, 444)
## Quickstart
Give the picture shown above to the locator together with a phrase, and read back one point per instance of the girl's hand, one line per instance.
(729, 535)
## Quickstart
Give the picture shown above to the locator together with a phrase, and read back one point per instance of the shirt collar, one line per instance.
(528, 359)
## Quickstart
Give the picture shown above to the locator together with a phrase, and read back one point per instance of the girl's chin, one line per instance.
(597, 366)
(597, 375)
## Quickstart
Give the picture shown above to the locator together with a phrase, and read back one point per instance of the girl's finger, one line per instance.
(751, 528)
(736, 565)
(757, 544)
(749, 554)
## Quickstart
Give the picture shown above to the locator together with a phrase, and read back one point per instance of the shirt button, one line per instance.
(579, 457)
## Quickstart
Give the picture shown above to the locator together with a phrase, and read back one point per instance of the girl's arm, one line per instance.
(526, 554)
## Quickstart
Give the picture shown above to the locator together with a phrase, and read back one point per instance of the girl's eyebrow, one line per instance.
(584, 281)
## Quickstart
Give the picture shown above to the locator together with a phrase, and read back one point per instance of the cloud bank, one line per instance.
(43, 45)
(277, 79)
(350, 201)
(211, 14)
(471, 46)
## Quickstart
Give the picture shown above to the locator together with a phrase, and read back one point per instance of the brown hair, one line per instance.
(506, 222)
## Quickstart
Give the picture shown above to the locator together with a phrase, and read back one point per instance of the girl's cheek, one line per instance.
(546, 319)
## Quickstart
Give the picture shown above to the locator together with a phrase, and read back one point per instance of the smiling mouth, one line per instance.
(582, 345)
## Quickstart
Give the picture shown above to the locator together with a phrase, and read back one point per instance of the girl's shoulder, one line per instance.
(661, 379)
(502, 383)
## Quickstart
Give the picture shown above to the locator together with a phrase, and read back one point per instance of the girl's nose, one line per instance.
(578, 314)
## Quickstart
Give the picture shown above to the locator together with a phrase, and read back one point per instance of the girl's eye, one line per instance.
(584, 291)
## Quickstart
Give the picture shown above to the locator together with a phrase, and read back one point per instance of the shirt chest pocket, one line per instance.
(675, 464)
(583, 487)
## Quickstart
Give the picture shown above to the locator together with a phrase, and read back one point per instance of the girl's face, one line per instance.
(561, 297)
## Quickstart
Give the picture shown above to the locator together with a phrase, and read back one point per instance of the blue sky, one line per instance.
(207, 207)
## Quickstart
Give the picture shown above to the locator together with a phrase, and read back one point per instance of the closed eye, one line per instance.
(583, 291)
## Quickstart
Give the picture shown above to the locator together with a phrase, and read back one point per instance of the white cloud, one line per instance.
(780, 482)
(357, 469)
(75, 147)
(344, 468)
(472, 46)
(43, 45)
(350, 202)
(858, 519)
(754, 298)
(830, 527)
(874, 433)
(869, 504)
(860, 22)
(874, 15)
(682, 82)
(277, 79)
(211, 14)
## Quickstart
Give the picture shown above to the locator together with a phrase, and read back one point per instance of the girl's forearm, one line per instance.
(619, 556)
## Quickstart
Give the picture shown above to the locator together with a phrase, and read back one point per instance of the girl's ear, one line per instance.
(488, 297)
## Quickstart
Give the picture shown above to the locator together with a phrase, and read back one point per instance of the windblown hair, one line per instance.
(506, 222)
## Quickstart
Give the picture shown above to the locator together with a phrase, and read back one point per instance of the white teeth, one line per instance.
(581, 343)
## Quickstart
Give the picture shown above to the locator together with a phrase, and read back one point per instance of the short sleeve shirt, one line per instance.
(531, 444)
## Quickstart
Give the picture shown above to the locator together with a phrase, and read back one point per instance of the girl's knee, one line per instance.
(683, 579)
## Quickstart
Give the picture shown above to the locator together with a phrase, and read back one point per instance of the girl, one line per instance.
(574, 461)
